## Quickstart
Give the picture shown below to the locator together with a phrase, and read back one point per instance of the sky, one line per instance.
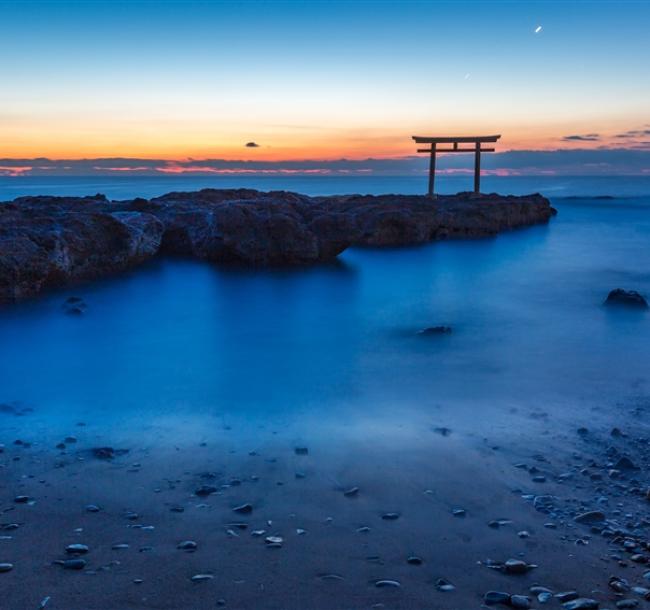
(307, 80)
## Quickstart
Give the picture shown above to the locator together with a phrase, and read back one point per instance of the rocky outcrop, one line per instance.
(626, 298)
(50, 241)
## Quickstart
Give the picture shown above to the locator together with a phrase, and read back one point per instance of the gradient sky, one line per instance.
(317, 80)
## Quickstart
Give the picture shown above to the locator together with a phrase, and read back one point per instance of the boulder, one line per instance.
(628, 298)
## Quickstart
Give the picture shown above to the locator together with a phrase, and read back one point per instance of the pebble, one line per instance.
(6, 567)
(349, 493)
(520, 601)
(205, 490)
(76, 549)
(93, 508)
(566, 596)
(187, 545)
(444, 585)
(516, 566)
(201, 577)
(390, 516)
(330, 577)
(582, 603)
(414, 560)
(243, 509)
(388, 584)
(274, 541)
(120, 547)
(458, 512)
(21, 499)
(627, 603)
(492, 598)
(592, 516)
(625, 463)
(72, 564)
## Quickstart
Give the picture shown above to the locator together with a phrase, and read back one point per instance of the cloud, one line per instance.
(631, 160)
(634, 133)
(252, 145)
(588, 137)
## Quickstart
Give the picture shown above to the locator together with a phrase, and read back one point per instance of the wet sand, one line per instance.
(327, 559)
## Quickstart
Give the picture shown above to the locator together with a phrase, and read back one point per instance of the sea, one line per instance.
(335, 349)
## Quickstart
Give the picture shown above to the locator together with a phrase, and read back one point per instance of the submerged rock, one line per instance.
(628, 298)
(435, 330)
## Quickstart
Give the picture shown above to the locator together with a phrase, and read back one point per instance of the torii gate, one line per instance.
(455, 141)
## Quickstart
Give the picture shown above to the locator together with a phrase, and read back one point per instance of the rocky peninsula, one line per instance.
(55, 241)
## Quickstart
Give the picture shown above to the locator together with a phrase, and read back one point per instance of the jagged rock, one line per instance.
(54, 241)
(629, 298)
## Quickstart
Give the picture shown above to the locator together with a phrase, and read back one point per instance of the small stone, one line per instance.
(73, 564)
(458, 512)
(76, 549)
(627, 603)
(592, 516)
(331, 577)
(243, 509)
(187, 545)
(274, 542)
(387, 584)
(6, 567)
(520, 601)
(92, 508)
(444, 585)
(21, 499)
(120, 547)
(201, 577)
(625, 463)
(491, 598)
(566, 596)
(350, 493)
(104, 453)
(414, 560)
(516, 566)
(205, 490)
(390, 516)
(582, 603)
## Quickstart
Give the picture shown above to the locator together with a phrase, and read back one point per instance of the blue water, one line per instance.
(184, 343)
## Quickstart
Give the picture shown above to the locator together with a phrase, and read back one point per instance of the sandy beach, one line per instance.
(422, 517)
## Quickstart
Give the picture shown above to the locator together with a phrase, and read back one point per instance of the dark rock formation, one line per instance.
(50, 241)
(629, 298)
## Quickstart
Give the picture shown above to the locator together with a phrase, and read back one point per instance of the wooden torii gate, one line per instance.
(453, 148)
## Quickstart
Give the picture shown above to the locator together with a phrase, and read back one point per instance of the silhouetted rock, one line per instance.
(629, 298)
(54, 241)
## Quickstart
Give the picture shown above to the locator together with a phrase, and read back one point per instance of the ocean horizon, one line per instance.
(126, 187)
